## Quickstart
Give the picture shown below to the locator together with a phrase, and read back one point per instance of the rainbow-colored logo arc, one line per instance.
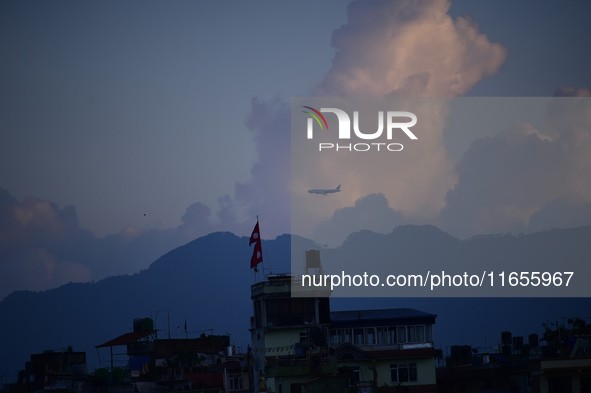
(316, 117)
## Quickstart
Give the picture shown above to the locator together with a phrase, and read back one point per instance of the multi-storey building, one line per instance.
(301, 346)
(283, 330)
(385, 347)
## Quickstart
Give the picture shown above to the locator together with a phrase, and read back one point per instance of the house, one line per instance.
(385, 347)
(55, 370)
(563, 365)
(205, 362)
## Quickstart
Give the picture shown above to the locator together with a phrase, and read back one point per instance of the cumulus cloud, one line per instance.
(267, 193)
(404, 49)
(35, 242)
(526, 179)
(370, 212)
(408, 48)
(42, 245)
(196, 220)
(413, 181)
(386, 48)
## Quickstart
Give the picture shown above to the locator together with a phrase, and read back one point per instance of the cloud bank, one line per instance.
(525, 179)
(370, 212)
(35, 244)
(42, 245)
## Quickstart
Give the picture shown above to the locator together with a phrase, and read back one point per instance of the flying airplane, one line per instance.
(324, 192)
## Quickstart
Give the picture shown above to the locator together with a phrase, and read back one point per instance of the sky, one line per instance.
(129, 129)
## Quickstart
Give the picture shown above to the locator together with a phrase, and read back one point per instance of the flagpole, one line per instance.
(261, 240)
(256, 269)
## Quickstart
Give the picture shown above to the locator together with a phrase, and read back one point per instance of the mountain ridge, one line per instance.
(206, 282)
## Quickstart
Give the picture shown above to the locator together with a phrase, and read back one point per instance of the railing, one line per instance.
(214, 390)
(143, 389)
(109, 389)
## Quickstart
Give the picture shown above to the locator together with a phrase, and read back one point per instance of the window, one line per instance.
(429, 333)
(416, 334)
(358, 336)
(392, 335)
(257, 314)
(335, 337)
(401, 334)
(382, 336)
(403, 372)
(420, 334)
(272, 313)
(347, 335)
(370, 336)
(292, 311)
(412, 338)
(235, 382)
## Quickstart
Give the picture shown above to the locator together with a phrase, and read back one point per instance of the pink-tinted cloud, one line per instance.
(408, 48)
(570, 91)
(404, 49)
(42, 245)
(35, 241)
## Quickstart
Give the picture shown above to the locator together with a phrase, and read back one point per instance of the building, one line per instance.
(301, 346)
(204, 363)
(562, 365)
(284, 331)
(55, 370)
(385, 348)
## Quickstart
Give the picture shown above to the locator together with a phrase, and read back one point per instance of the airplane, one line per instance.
(324, 192)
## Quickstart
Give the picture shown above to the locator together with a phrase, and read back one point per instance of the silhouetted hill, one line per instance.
(207, 282)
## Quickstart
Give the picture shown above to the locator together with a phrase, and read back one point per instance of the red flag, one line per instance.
(257, 255)
(256, 234)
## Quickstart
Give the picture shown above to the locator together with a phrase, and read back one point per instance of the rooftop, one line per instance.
(381, 316)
